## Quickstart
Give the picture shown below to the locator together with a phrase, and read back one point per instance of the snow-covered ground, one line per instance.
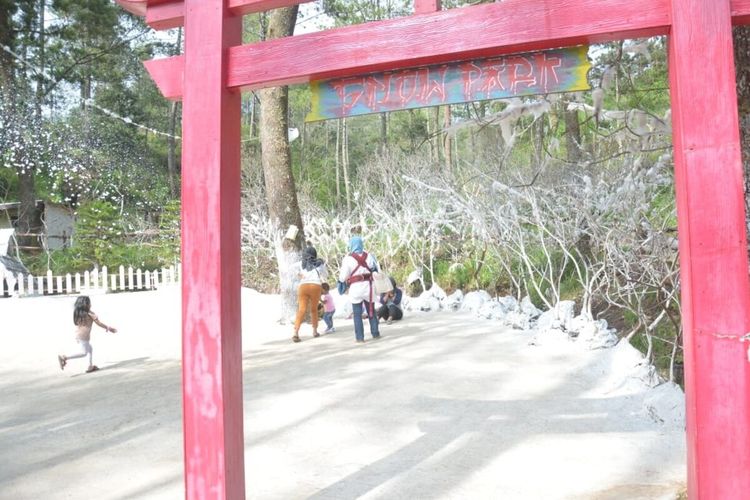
(446, 405)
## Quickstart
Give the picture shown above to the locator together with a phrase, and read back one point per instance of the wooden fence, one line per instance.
(95, 281)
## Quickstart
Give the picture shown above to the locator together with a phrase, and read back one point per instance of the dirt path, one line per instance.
(445, 406)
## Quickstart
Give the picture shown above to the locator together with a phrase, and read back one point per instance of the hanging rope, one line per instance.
(88, 101)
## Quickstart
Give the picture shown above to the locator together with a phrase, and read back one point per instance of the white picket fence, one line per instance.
(95, 281)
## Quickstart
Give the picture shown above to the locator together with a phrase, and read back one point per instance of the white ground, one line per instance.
(444, 406)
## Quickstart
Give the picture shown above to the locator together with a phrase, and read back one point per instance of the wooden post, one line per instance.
(212, 347)
(20, 285)
(122, 277)
(131, 284)
(78, 282)
(138, 279)
(68, 283)
(713, 249)
(105, 281)
(50, 285)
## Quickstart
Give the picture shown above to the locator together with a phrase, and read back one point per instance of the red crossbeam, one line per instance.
(740, 12)
(449, 35)
(167, 14)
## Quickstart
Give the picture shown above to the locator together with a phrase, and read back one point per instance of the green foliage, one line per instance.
(97, 233)
(100, 240)
(8, 184)
(663, 338)
(168, 240)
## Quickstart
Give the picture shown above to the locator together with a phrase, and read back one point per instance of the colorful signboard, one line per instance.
(560, 70)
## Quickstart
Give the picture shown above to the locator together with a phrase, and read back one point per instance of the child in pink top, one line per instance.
(84, 318)
(328, 308)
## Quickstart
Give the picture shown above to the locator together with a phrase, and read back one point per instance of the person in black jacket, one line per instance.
(390, 310)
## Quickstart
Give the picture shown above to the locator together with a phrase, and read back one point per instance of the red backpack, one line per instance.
(361, 262)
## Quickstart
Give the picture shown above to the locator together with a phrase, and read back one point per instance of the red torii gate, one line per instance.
(708, 183)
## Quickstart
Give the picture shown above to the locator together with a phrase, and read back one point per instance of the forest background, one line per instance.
(556, 197)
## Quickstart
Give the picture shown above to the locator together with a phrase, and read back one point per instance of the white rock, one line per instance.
(414, 276)
(429, 303)
(474, 300)
(594, 334)
(629, 371)
(410, 303)
(665, 404)
(578, 324)
(438, 292)
(508, 303)
(548, 320)
(491, 310)
(518, 320)
(549, 337)
(425, 302)
(565, 312)
(454, 300)
(561, 317)
(529, 309)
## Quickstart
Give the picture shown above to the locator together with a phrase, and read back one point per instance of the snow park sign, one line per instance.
(560, 70)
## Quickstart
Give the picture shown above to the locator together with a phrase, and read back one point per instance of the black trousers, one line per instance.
(393, 312)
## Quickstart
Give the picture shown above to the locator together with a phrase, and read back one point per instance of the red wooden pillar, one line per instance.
(713, 249)
(212, 348)
(427, 6)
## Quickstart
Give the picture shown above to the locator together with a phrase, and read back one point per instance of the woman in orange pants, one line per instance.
(312, 273)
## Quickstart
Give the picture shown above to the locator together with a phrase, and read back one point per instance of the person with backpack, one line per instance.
(311, 273)
(356, 273)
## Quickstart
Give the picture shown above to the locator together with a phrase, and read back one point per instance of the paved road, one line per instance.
(444, 406)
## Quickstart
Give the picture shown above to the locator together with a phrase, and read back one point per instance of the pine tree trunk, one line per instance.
(447, 141)
(742, 64)
(345, 164)
(6, 40)
(338, 163)
(281, 193)
(538, 142)
(572, 134)
(435, 134)
(41, 63)
(27, 214)
(383, 132)
(254, 116)
(172, 152)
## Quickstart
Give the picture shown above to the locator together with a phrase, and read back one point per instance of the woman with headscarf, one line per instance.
(356, 272)
(311, 272)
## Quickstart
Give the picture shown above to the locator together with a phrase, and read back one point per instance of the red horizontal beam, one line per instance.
(469, 32)
(167, 73)
(740, 12)
(137, 7)
(167, 14)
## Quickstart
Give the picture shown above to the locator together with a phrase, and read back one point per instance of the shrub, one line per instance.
(98, 232)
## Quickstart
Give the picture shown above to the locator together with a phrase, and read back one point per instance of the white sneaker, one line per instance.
(329, 330)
